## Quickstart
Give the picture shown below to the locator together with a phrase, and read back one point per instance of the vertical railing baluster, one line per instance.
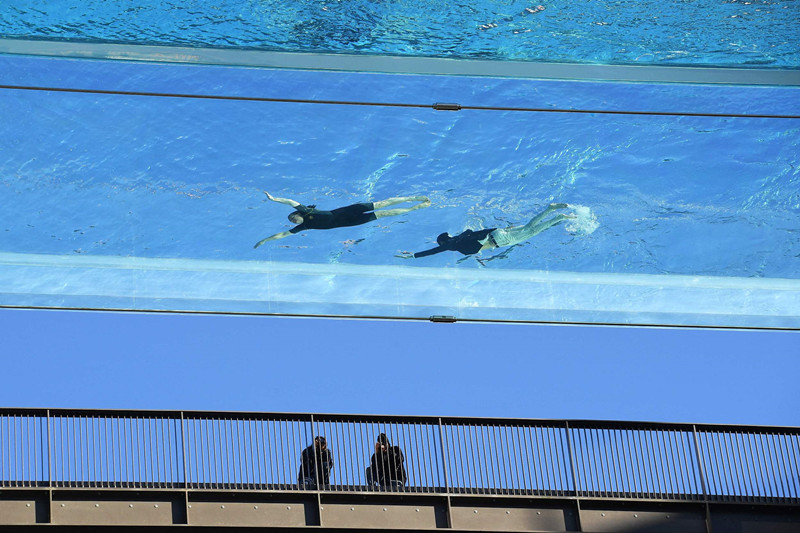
(583, 471)
(764, 441)
(414, 432)
(525, 467)
(794, 455)
(269, 444)
(225, 453)
(744, 464)
(700, 464)
(571, 455)
(49, 455)
(214, 442)
(467, 477)
(92, 449)
(433, 465)
(4, 442)
(675, 459)
(250, 455)
(781, 466)
(281, 461)
(238, 456)
(345, 472)
(184, 452)
(264, 474)
(314, 433)
(701, 471)
(443, 456)
(40, 451)
(753, 446)
(666, 465)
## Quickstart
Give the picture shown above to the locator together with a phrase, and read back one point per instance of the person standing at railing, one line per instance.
(316, 464)
(387, 466)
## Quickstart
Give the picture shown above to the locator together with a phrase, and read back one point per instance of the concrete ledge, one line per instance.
(402, 65)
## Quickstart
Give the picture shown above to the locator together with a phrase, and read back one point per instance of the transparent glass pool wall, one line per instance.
(683, 199)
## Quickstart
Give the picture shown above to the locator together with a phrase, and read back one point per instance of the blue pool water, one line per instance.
(747, 33)
(144, 202)
(124, 201)
(158, 177)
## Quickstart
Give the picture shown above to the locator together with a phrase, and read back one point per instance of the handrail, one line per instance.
(160, 449)
(574, 422)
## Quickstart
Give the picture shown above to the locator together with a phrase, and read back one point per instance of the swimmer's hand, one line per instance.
(405, 255)
(281, 235)
(286, 201)
(559, 206)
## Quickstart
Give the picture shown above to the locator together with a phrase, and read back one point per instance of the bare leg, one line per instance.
(515, 235)
(423, 202)
(550, 208)
(400, 200)
(549, 223)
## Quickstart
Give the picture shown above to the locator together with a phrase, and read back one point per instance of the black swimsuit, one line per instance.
(467, 243)
(351, 215)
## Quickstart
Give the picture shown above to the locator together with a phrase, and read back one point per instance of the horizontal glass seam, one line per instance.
(435, 106)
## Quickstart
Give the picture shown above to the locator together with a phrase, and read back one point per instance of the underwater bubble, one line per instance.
(584, 223)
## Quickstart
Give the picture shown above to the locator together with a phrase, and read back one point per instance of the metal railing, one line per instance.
(253, 451)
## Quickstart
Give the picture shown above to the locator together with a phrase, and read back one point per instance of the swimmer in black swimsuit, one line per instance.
(471, 242)
(309, 217)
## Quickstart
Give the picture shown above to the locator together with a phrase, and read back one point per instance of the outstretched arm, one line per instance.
(286, 201)
(432, 251)
(280, 235)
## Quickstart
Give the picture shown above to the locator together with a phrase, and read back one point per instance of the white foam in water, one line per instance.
(585, 223)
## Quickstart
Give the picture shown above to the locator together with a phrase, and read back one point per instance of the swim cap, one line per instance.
(443, 238)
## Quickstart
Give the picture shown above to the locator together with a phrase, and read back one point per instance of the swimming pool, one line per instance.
(134, 201)
(750, 33)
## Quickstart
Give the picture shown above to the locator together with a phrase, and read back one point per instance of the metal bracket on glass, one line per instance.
(446, 107)
(443, 318)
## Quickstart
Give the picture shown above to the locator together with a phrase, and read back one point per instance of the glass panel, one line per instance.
(155, 203)
(730, 33)
(423, 90)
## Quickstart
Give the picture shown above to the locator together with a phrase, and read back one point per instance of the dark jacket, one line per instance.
(324, 465)
(388, 466)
